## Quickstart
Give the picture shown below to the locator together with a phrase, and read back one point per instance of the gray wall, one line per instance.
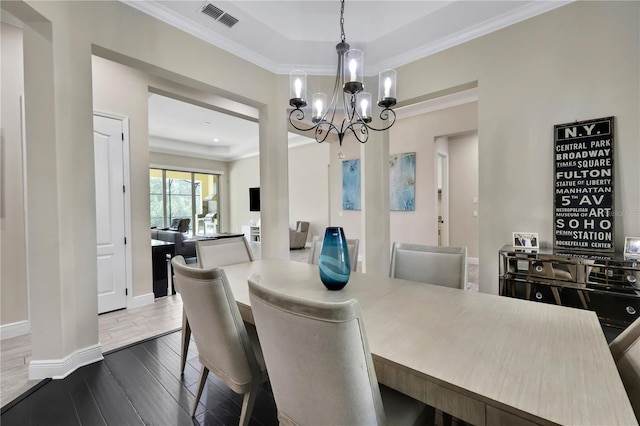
(13, 265)
(577, 62)
(463, 188)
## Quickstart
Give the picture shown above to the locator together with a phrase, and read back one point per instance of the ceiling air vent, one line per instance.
(219, 15)
(228, 20)
(212, 11)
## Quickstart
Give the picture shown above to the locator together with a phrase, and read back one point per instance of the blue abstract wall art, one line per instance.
(351, 184)
(402, 182)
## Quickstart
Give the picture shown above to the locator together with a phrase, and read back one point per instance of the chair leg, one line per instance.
(186, 338)
(203, 381)
(447, 419)
(248, 403)
(582, 299)
(556, 295)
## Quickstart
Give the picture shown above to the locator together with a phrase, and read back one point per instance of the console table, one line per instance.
(161, 254)
(607, 283)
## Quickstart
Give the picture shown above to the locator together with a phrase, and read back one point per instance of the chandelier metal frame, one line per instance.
(354, 120)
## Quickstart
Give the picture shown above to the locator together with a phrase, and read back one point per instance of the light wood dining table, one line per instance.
(482, 358)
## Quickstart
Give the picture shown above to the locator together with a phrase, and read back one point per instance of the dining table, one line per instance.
(485, 359)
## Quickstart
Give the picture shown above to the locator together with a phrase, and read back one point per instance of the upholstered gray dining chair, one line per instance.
(443, 266)
(213, 254)
(222, 252)
(352, 244)
(320, 366)
(626, 353)
(226, 347)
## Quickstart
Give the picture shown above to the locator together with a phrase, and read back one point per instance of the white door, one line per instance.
(110, 231)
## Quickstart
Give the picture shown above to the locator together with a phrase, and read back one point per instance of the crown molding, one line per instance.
(190, 149)
(164, 14)
(217, 153)
(507, 19)
(448, 101)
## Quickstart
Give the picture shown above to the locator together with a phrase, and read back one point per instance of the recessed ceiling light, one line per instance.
(216, 140)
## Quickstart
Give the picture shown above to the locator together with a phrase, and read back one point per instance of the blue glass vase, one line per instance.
(334, 263)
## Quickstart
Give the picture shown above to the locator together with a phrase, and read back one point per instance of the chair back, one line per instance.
(626, 353)
(302, 226)
(180, 224)
(316, 248)
(352, 244)
(444, 266)
(298, 236)
(223, 252)
(318, 358)
(218, 330)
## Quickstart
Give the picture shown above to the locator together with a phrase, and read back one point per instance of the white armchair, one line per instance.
(298, 236)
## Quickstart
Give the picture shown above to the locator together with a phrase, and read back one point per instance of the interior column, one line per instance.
(62, 270)
(274, 175)
(375, 203)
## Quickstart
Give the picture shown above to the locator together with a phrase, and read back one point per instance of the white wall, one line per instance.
(418, 134)
(243, 174)
(13, 267)
(309, 187)
(463, 187)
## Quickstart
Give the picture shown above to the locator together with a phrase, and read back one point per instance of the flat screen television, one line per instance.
(254, 199)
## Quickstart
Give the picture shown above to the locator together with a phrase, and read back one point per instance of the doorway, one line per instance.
(111, 164)
(442, 196)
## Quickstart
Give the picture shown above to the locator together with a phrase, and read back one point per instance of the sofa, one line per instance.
(183, 245)
(298, 236)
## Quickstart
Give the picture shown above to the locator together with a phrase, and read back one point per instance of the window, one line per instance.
(177, 194)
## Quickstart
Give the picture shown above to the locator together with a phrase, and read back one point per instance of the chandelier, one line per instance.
(348, 91)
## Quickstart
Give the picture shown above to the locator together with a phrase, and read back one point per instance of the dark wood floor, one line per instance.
(137, 385)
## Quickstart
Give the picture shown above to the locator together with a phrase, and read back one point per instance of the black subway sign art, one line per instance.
(583, 185)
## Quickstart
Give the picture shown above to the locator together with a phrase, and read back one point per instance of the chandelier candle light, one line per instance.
(349, 86)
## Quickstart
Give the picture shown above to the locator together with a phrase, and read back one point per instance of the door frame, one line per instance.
(128, 271)
(445, 195)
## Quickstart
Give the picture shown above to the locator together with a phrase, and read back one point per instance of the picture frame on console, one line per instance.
(526, 240)
(632, 246)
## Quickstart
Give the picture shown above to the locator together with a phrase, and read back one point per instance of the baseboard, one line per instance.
(138, 301)
(15, 329)
(61, 368)
(473, 260)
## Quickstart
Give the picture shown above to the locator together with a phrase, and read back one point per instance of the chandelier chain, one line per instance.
(342, 20)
